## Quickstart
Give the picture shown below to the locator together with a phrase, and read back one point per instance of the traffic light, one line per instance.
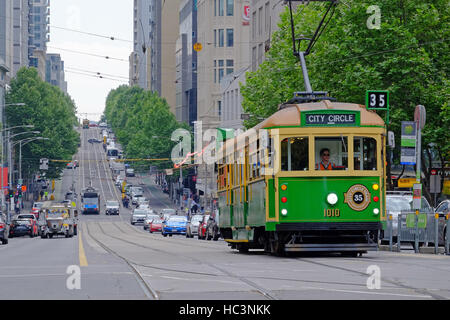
(11, 193)
(20, 193)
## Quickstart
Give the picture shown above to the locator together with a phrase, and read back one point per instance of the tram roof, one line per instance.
(290, 115)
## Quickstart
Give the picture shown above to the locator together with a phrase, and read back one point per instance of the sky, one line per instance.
(111, 18)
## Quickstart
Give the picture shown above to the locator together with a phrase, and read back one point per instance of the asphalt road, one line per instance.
(119, 261)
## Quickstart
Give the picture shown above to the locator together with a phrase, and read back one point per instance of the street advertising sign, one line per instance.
(377, 100)
(417, 196)
(408, 143)
(421, 221)
(246, 15)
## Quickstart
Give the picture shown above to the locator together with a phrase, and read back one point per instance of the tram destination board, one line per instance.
(335, 118)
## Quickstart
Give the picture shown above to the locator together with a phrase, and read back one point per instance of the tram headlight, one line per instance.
(376, 211)
(284, 212)
(332, 198)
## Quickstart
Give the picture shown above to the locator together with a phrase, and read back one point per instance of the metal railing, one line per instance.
(423, 228)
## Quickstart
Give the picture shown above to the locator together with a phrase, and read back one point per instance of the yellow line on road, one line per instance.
(81, 254)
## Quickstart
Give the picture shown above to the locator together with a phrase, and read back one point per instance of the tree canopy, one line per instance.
(408, 55)
(143, 124)
(52, 113)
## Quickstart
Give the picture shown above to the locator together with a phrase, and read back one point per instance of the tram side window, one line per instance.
(331, 153)
(294, 154)
(365, 153)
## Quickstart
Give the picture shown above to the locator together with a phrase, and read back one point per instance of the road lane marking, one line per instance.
(81, 254)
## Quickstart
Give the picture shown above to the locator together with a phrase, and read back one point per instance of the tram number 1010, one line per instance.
(331, 213)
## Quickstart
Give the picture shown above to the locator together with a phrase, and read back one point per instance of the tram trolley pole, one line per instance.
(390, 231)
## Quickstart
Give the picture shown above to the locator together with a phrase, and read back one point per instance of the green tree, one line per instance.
(52, 112)
(143, 124)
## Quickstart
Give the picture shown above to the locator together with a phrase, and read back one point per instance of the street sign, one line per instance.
(420, 115)
(198, 46)
(417, 196)
(377, 99)
(43, 164)
(408, 143)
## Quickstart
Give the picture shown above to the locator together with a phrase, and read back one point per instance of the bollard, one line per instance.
(436, 233)
(416, 236)
(399, 229)
(447, 234)
(390, 232)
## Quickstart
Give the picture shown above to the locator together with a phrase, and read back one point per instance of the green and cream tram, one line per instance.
(274, 194)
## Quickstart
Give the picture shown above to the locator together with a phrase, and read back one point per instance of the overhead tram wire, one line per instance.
(95, 72)
(91, 34)
(89, 54)
(96, 76)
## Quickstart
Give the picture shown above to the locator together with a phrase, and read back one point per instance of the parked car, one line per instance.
(138, 216)
(155, 225)
(399, 202)
(443, 207)
(112, 207)
(201, 231)
(192, 225)
(149, 218)
(174, 225)
(21, 227)
(4, 230)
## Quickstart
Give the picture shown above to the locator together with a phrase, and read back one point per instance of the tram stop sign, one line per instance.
(420, 116)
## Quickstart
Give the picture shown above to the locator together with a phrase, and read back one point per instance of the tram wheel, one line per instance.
(242, 248)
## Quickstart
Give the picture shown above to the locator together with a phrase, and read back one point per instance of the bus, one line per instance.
(90, 200)
(273, 193)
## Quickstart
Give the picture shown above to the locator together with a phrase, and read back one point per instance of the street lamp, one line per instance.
(21, 144)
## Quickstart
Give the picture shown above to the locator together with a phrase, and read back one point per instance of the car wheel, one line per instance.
(151, 231)
(132, 223)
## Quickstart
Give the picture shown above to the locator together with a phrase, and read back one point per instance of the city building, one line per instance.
(20, 35)
(186, 64)
(230, 117)
(223, 30)
(54, 71)
(39, 29)
(6, 35)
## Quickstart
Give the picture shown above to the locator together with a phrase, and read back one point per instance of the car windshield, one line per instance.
(152, 216)
(196, 218)
(404, 203)
(177, 219)
(38, 205)
(22, 222)
(138, 211)
(157, 221)
(112, 203)
(168, 211)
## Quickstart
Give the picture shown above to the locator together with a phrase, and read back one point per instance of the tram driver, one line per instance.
(325, 163)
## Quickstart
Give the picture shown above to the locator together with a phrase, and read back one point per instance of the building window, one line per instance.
(215, 38)
(230, 7)
(221, 9)
(230, 68)
(267, 18)
(230, 37)
(219, 108)
(221, 38)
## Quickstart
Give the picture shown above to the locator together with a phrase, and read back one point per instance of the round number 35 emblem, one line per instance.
(357, 197)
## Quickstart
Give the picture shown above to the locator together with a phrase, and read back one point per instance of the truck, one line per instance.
(85, 123)
(57, 219)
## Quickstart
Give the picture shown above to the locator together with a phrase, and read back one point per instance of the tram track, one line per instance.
(222, 271)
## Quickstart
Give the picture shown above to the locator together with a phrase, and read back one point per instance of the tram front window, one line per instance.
(331, 153)
(365, 153)
(294, 154)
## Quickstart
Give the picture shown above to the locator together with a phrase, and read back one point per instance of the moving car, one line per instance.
(21, 227)
(149, 218)
(174, 225)
(138, 216)
(201, 231)
(168, 211)
(4, 230)
(155, 225)
(135, 198)
(112, 207)
(192, 225)
(36, 207)
(129, 172)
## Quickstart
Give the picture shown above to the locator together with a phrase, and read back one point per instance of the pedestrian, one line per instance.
(42, 194)
(46, 195)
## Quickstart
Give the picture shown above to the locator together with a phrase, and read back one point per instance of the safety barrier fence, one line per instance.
(421, 229)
